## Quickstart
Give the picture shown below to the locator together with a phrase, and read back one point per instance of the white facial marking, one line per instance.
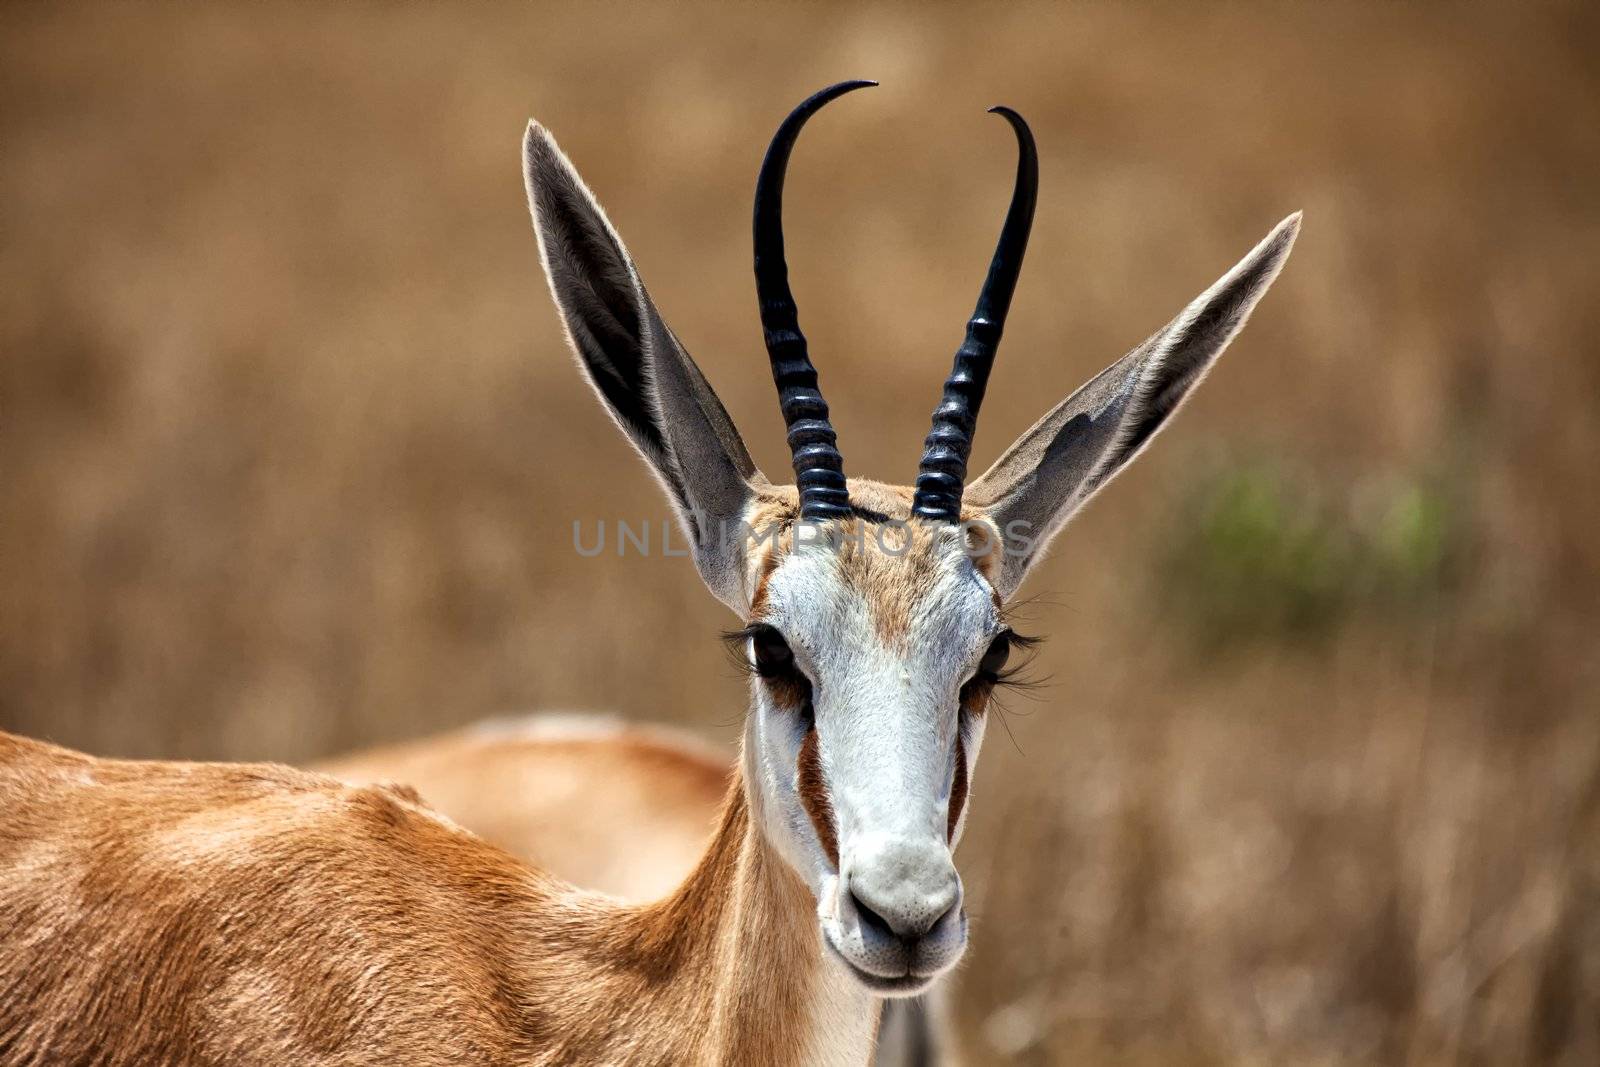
(886, 643)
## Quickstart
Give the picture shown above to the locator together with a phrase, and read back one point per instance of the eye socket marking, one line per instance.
(761, 650)
(990, 673)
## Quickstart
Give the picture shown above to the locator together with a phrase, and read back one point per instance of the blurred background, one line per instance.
(291, 449)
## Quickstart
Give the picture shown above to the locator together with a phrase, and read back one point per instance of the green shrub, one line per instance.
(1261, 550)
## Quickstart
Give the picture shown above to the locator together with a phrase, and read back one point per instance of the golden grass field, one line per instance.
(291, 449)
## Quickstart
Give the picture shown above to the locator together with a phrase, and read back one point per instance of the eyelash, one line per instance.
(1011, 675)
(738, 642)
(981, 687)
(789, 684)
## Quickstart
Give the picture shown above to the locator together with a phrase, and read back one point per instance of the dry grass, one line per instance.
(290, 451)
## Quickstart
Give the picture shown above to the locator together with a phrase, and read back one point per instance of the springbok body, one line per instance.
(211, 914)
(621, 808)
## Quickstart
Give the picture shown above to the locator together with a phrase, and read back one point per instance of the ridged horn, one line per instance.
(942, 473)
(818, 466)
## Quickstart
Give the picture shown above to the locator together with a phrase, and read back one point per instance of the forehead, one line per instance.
(904, 578)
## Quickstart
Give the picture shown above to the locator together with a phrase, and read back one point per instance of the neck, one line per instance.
(743, 927)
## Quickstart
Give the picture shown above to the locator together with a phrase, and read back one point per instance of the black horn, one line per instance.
(818, 467)
(943, 471)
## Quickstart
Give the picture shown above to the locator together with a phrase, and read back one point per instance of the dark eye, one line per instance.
(774, 664)
(994, 659)
(772, 654)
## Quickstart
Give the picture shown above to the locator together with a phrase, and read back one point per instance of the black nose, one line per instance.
(906, 926)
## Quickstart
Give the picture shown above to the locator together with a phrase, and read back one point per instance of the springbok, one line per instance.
(160, 913)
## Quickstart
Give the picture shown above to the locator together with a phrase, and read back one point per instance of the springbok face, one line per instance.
(874, 644)
(874, 615)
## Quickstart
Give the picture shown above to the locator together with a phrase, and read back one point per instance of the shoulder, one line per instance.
(210, 815)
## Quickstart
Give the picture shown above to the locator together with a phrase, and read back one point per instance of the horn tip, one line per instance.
(1018, 123)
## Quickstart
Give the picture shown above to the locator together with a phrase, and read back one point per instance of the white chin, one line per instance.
(902, 985)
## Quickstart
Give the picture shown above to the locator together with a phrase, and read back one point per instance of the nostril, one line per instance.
(905, 923)
(953, 908)
(871, 919)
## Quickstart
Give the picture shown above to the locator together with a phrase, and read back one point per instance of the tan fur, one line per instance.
(576, 808)
(897, 583)
(550, 795)
(174, 913)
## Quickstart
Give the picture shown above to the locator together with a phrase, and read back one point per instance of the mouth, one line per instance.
(901, 985)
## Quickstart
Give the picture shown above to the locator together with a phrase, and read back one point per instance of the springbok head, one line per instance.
(875, 624)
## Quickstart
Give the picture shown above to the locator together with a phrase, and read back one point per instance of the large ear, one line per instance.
(1057, 465)
(645, 378)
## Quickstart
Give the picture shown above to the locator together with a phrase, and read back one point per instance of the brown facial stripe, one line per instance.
(958, 790)
(814, 797)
